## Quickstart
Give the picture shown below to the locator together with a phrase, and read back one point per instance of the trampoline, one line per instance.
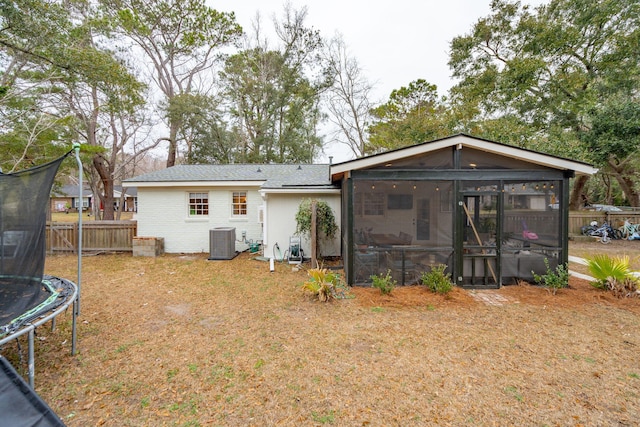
(28, 297)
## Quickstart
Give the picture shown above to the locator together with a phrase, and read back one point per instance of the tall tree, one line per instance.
(547, 68)
(348, 97)
(613, 139)
(412, 115)
(105, 102)
(31, 32)
(272, 96)
(182, 39)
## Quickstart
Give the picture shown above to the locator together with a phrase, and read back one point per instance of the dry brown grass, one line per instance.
(179, 340)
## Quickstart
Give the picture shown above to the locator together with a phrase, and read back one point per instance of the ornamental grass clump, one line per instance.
(326, 285)
(437, 280)
(322, 283)
(613, 274)
(385, 283)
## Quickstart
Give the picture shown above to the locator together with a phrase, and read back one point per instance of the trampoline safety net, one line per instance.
(24, 198)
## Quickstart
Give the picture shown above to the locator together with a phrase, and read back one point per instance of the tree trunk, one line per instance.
(173, 145)
(576, 199)
(107, 185)
(623, 176)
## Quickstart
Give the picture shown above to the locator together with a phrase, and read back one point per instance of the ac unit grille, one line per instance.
(222, 243)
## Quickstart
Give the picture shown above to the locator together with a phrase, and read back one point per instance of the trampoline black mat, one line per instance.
(20, 305)
(20, 406)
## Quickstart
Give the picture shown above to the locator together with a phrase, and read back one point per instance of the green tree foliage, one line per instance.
(412, 115)
(325, 219)
(326, 226)
(613, 140)
(275, 111)
(182, 39)
(273, 101)
(55, 56)
(545, 70)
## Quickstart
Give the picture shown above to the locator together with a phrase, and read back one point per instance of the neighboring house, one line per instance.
(66, 199)
(492, 213)
(130, 202)
(183, 203)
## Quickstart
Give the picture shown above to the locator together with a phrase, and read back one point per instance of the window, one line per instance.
(239, 203)
(368, 204)
(373, 204)
(198, 204)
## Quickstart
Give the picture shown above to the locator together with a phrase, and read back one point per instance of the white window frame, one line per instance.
(239, 204)
(205, 204)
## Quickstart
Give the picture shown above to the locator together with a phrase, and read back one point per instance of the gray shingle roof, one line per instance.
(274, 176)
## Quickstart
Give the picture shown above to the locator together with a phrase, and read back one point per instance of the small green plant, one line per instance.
(323, 418)
(324, 284)
(385, 283)
(613, 274)
(553, 280)
(513, 391)
(437, 280)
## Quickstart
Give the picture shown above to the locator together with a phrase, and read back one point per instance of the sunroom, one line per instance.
(492, 213)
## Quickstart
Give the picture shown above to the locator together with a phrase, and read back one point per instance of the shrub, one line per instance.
(553, 280)
(613, 274)
(384, 283)
(437, 280)
(322, 283)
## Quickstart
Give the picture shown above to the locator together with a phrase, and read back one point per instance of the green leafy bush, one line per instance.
(325, 220)
(384, 283)
(553, 280)
(437, 280)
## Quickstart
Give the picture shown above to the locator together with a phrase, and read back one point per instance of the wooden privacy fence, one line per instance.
(96, 236)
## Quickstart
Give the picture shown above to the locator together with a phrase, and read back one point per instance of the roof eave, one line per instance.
(462, 141)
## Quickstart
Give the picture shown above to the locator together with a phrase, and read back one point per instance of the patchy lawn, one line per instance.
(180, 340)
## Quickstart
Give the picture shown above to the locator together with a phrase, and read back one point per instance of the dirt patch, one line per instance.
(190, 342)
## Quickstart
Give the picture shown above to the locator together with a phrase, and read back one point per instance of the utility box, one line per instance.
(222, 243)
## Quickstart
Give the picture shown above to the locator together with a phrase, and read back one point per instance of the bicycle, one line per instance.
(603, 233)
(629, 231)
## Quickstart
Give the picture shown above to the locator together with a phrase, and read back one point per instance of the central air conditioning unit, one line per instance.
(222, 243)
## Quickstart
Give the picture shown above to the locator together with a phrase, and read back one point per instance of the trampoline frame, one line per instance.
(51, 314)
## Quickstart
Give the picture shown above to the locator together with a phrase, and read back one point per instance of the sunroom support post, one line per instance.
(349, 240)
(564, 220)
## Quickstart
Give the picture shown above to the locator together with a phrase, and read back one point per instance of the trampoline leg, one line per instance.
(73, 329)
(31, 363)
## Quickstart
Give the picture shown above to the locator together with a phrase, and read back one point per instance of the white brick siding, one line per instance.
(163, 212)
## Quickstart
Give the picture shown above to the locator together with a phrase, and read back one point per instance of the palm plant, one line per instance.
(322, 283)
(613, 274)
